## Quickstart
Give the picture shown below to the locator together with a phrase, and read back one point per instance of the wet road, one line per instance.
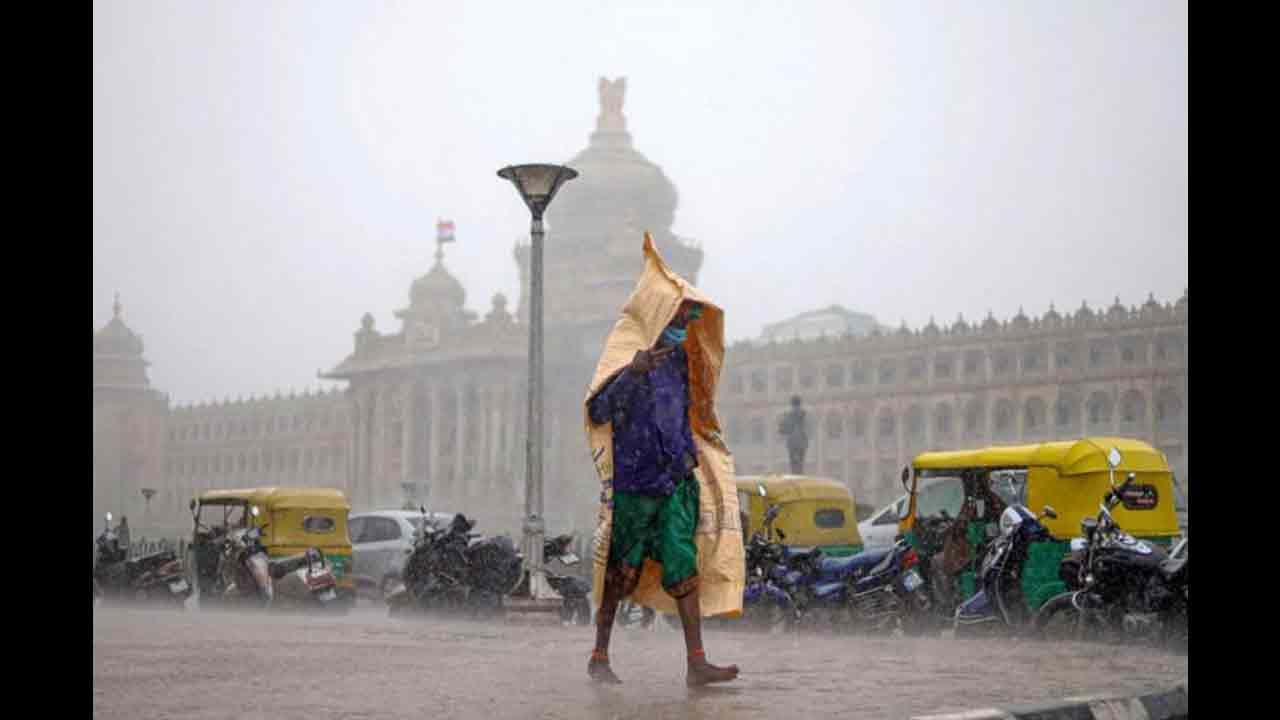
(364, 665)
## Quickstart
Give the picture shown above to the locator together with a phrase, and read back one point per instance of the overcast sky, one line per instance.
(266, 172)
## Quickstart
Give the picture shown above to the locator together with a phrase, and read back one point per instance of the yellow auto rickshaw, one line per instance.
(292, 519)
(1069, 476)
(813, 511)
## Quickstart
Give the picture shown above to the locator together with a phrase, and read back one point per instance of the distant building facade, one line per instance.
(434, 410)
(875, 402)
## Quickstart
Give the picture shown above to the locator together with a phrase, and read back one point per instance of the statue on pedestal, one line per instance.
(792, 428)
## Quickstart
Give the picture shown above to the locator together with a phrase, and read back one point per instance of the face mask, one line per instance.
(674, 335)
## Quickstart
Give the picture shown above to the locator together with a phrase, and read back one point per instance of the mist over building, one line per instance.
(434, 408)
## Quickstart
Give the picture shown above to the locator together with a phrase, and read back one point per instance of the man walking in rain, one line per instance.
(669, 534)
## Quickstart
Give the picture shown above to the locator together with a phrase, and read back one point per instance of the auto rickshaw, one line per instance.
(1069, 476)
(292, 519)
(812, 512)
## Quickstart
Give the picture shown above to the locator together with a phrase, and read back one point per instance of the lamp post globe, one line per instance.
(537, 185)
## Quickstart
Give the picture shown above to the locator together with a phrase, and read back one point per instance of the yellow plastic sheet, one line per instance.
(721, 566)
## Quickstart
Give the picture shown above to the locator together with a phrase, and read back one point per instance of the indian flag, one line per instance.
(444, 231)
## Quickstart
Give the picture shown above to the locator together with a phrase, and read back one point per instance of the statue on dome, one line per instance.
(611, 97)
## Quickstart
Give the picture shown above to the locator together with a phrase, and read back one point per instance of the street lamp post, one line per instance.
(537, 185)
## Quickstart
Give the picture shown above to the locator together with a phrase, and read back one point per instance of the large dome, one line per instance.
(618, 186)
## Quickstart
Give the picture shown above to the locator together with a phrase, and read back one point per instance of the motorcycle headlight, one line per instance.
(1009, 519)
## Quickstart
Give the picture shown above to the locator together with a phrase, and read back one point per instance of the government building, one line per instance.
(433, 409)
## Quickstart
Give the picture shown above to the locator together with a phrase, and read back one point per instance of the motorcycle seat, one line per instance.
(149, 562)
(861, 563)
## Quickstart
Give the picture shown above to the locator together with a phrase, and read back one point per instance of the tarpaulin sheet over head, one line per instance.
(647, 312)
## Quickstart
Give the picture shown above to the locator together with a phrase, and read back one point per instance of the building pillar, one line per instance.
(461, 483)
(433, 443)
(408, 434)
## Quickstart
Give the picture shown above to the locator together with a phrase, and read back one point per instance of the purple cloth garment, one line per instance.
(652, 444)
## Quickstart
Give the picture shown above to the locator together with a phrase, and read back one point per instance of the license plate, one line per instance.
(912, 580)
(328, 595)
(179, 586)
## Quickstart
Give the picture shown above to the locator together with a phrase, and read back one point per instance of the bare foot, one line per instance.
(704, 673)
(602, 673)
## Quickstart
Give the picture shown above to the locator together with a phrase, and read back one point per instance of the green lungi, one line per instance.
(660, 529)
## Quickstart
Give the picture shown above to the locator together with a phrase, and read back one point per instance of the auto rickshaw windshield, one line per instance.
(939, 490)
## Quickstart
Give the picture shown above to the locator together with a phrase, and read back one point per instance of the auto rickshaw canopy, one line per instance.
(815, 511)
(278, 498)
(1067, 457)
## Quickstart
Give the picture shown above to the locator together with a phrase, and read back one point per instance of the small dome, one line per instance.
(903, 330)
(366, 322)
(960, 326)
(931, 329)
(116, 338)
(438, 288)
(1021, 321)
(1151, 306)
(1182, 302)
(1117, 311)
(1052, 317)
(990, 324)
(1084, 313)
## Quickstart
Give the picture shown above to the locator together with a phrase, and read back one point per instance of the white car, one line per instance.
(881, 528)
(381, 541)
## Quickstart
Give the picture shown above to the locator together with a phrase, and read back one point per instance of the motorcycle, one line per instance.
(452, 569)
(157, 576)
(1125, 589)
(576, 608)
(876, 589)
(247, 575)
(999, 598)
(766, 603)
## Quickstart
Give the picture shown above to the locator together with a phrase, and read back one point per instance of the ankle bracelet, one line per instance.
(697, 654)
(600, 656)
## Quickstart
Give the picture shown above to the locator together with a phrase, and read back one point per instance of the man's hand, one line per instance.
(646, 360)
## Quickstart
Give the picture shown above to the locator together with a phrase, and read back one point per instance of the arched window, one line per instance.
(858, 374)
(859, 421)
(835, 426)
(1034, 411)
(835, 375)
(735, 429)
(1168, 408)
(887, 372)
(1004, 415)
(942, 419)
(887, 424)
(1099, 408)
(782, 378)
(974, 412)
(915, 422)
(1133, 407)
(1064, 410)
(807, 375)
